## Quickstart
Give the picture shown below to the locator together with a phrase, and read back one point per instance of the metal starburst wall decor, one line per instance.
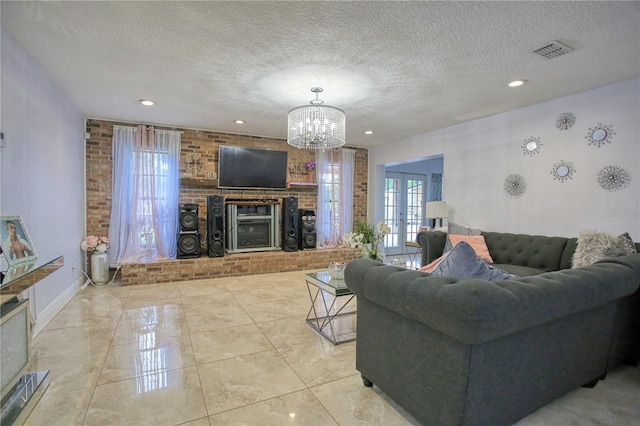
(613, 178)
(600, 134)
(565, 120)
(531, 145)
(514, 186)
(563, 171)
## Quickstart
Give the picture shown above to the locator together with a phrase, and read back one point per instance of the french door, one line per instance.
(403, 209)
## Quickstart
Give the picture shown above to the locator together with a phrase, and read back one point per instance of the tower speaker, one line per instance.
(215, 225)
(188, 245)
(189, 236)
(189, 218)
(290, 224)
(308, 236)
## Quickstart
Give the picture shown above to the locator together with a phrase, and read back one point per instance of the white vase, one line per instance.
(99, 268)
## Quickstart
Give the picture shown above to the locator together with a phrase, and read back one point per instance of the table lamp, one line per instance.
(437, 210)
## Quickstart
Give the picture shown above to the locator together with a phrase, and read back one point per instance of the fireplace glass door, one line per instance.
(253, 233)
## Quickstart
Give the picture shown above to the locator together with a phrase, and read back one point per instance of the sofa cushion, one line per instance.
(462, 262)
(567, 253)
(521, 271)
(595, 245)
(533, 251)
(476, 242)
(456, 229)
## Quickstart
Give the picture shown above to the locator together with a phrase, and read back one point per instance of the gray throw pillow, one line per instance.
(595, 245)
(456, 229)
(628, 243)
(462, 262)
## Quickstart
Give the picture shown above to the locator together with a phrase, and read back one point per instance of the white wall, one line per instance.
(42, 172)
(479, 155)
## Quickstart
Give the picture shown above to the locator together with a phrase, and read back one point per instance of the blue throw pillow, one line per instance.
(462, 262)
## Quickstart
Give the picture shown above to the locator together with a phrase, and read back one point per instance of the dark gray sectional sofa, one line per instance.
(518, 254)
(473, 352)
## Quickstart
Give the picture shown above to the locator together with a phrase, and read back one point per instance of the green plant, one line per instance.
(365, 229)
(368, 238)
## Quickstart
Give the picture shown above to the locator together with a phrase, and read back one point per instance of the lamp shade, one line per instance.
(436, 209)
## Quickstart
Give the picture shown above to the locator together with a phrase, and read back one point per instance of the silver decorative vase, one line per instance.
(99, 267)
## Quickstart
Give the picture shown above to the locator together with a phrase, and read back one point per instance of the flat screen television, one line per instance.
(251, 168)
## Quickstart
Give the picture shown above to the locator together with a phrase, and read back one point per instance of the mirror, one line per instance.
(531, 146)
(599, 135)
(562, 171)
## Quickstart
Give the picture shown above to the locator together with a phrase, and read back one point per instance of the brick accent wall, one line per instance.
(206, 143)
(233, 265)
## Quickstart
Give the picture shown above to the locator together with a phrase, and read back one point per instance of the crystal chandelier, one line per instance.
(316, 126)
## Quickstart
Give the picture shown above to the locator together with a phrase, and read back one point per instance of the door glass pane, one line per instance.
(392, 200)
(414, 207)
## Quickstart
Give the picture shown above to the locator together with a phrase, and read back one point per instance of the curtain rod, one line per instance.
(147, 125)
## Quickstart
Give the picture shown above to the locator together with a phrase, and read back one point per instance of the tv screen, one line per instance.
(251, 168)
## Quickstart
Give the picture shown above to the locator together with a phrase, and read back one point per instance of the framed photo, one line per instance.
(14, 241)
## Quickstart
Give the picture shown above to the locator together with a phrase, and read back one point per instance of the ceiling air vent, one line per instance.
(553, 50)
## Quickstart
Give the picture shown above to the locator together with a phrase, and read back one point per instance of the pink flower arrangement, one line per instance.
(311, 166)
(93, 243)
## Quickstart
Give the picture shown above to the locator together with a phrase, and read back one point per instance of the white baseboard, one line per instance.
(54, 307)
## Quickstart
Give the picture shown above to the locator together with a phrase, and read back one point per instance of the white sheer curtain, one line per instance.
(335, 170)
(145, 202)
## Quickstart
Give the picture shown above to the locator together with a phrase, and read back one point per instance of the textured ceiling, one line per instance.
(398, 68)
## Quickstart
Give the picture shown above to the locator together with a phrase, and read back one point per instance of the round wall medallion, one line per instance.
(613, 178)
(531, 146)
(565, 120)
(514, 186)
(563, 171)
(600, 134)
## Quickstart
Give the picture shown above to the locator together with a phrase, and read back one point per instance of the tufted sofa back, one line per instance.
(534, 251)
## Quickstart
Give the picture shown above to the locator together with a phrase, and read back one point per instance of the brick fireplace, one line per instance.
(233, 265)
(197, 189)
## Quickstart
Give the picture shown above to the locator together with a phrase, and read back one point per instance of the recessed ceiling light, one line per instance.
(146, 102)
(238, 121)
(368, 132)
(516, 83)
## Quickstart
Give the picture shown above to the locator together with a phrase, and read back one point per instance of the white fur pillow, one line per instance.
(596, 245)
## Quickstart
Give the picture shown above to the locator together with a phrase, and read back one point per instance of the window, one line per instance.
(334, 218)
(146, 183)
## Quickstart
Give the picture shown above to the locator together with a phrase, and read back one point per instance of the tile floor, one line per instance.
(234, 351)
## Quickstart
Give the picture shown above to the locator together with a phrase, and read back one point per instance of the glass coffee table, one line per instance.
(332, 312)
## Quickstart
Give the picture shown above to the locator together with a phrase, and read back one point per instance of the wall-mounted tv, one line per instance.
(251, 168)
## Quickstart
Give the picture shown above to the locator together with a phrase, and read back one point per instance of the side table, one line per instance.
(413, 250)
(329, 314)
